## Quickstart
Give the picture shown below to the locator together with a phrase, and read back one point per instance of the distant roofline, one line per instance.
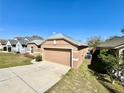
(33, 42)
(113, 43)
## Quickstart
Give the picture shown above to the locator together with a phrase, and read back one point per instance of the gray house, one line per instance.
(116, 43)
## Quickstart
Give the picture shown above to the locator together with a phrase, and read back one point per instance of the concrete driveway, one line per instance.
(35, 78)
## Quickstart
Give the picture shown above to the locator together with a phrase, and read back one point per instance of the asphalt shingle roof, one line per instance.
(36, 38)
(13, 42)
(112, 43)
(29, 38)
(3, 42)
(23, 42)
(62, 36)
(37, 42)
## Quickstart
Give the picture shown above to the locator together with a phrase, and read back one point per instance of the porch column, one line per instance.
(7, 48)
(121, 55)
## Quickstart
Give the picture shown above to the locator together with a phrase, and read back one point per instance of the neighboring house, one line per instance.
(34, 47)
(2, 44)
(16, 46)
(11, 44)
(34, 37)
(116, 43)
(62, 49)
(22, 38)
(19, 46)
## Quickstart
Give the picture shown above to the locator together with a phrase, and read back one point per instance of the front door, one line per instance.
(9, 49)
(32, 50)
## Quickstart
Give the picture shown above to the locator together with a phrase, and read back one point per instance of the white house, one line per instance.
(2, 44)
(16, 46)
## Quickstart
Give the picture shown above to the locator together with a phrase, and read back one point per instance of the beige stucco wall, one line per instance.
(1, 47)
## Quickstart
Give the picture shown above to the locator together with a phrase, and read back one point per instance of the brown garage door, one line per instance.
(62, 56)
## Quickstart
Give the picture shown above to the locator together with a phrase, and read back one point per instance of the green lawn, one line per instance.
(10, 60)
(83, 80)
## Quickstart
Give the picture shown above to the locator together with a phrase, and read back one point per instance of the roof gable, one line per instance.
(13, 42)
(3, 42)
(62, 36)
(37, 42)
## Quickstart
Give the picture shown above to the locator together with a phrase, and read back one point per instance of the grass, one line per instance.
(113, 88)
(83, 80)
(10, 60)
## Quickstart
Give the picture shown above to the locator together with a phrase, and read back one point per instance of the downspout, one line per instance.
(72, 63)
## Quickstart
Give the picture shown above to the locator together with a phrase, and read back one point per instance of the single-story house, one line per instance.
(19, 44)
(2, 44)
(10, 45)
(116, 43)
(34, 47)
(16, 46)
(63, 49)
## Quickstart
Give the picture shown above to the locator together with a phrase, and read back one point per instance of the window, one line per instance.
(54, 42)
(39, 46)
(13, 45)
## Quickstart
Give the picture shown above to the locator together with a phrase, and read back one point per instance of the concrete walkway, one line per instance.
(35, 78)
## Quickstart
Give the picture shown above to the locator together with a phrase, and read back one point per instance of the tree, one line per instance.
(122, 30)
(94, 41)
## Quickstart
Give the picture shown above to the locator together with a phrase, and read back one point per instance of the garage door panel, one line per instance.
(62, 56)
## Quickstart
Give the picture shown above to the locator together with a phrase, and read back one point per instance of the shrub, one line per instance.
(97, 64)
(17, 52)
(108, 62)
(104, 61)
(38, 58)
